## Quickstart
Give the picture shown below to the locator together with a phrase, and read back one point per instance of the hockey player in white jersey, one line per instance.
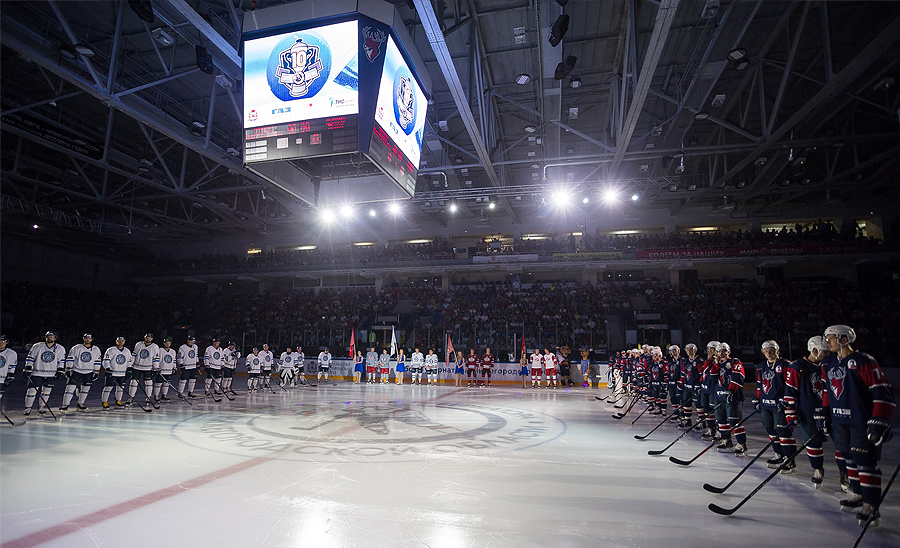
(371, 365)
(8, 361)
(537, 368)
(268, 362)
(324, 364)
(45, 363)
(116, 361)
(213, 359)
(287, 364)
(82, 369)
(254, 366)
(146, 363)
(167, 364)
(228, 366)
(299, 366)
(431, 365)
(187, 358)
(384, 366)
(416, 363)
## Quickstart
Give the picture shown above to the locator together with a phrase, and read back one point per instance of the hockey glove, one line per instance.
(129, 371)
(879, 431)
(94, 376)
(755, 403)
(9, 379)
(60, 373)
(26, 373)
(790, 416)
(731, 398)
(822, 416)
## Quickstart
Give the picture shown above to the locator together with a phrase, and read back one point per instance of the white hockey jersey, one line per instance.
(289, 360)
(230, 358)
(268, 359)
(83, 359)
(254, 362)
(537, 361)
(214, 357)
(116, 361)
(188, 356)
(325, 359)
(146, 356)
(431, 361)
(416, 360)
(46, 360)
(167, 361)
(8, 362)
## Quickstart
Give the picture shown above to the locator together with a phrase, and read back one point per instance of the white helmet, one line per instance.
(690, 345)
(673, 348)
(770, 344)
(817, 343)
(712, 344)
(723, 346)
(841, 330)
(656, 351)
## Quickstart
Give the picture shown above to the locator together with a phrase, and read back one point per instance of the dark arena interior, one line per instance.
(612, 272)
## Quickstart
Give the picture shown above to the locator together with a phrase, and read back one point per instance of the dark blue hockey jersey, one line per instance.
(803, 388)
(856, 389)
(691, 376)
(770, 382)
(731, 380)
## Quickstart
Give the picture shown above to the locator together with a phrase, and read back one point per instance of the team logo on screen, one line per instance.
(404, 101)
(299, 66)
(372, 42)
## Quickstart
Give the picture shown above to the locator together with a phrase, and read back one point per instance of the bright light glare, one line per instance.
(492, 205)
(453, 208)
(394, 208)
(561, 198)
(372, 213)
(326, 216)
(347, 211)
(585, 200)
(635, 197)
(610, 195)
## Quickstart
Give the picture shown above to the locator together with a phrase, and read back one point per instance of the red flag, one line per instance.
(449, 349)
(352, 343)
(523, 344)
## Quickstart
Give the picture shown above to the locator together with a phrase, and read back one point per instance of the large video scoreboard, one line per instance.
(319, 89)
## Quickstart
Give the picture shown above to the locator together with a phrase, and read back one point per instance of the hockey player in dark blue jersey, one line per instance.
(770, 392)
(676, 383)
(802, 396)
(690, 386)
(709, 376)
(859, 402)
(657, 396)
(730, 392)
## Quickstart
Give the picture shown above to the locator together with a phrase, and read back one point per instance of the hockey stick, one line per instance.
(728, 511)
(9, 420)
(710, 446)
(620, 416)
(676, 439)
(219, 384)
(172, 386)
(717, 490)
(40, 394)
(669, 416)
(877, 506)
(641, 414)
(146, 395)
(213, 393)
(124, 392)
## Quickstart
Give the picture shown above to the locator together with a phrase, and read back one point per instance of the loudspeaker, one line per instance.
(204, 60)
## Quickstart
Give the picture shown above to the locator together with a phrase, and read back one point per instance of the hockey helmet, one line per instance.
(690, 345)
(841, 330)
(712, 344)
(87, 336)
(148, 335)
(817, 343)
(770, 344)
(50, 333)
(674, 348)
(657, 351)
(723, 346)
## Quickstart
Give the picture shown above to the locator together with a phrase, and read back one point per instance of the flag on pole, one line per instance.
(393, 341)
(352, 343)
(523, 345)
(449, 349)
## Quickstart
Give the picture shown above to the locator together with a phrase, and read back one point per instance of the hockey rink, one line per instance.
(375, 466)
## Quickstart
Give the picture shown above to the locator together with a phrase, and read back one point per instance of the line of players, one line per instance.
(833, 390)
(150, 368)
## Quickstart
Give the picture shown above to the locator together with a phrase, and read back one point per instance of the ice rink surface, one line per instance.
(380, 466)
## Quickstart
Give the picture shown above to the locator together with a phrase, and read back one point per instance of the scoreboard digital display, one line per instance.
(396, 143)
(301, 93)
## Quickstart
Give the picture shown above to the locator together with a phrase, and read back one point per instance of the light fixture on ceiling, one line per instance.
(67, 52)
(635, 197)
(162, 37)
(575, 82)
(564, 68)
(530, 129)
(198, 124)
(736, 54)
(492, 205)
(558, 30)
(702, 115)
(84, 49)
(743, 64)
(453, 208)
(523, 79)
(143, 169)
(444, 126)
(233, 151)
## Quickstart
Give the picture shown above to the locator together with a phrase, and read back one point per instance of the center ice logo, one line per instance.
(299, 66)
(405, 101)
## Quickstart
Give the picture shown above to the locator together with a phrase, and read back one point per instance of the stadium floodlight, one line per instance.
(558, 30)
(560, 197)
(347, 211)
(492, 205)
(452, 208)
(394, 208)
(372, 213)
(585, 200)
(326, 216)
(635, 197)
(610, 195)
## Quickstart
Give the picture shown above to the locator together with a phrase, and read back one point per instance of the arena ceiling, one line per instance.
(109, 128)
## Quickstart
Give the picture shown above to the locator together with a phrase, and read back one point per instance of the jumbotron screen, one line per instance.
(301, 93)
(396, 144)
